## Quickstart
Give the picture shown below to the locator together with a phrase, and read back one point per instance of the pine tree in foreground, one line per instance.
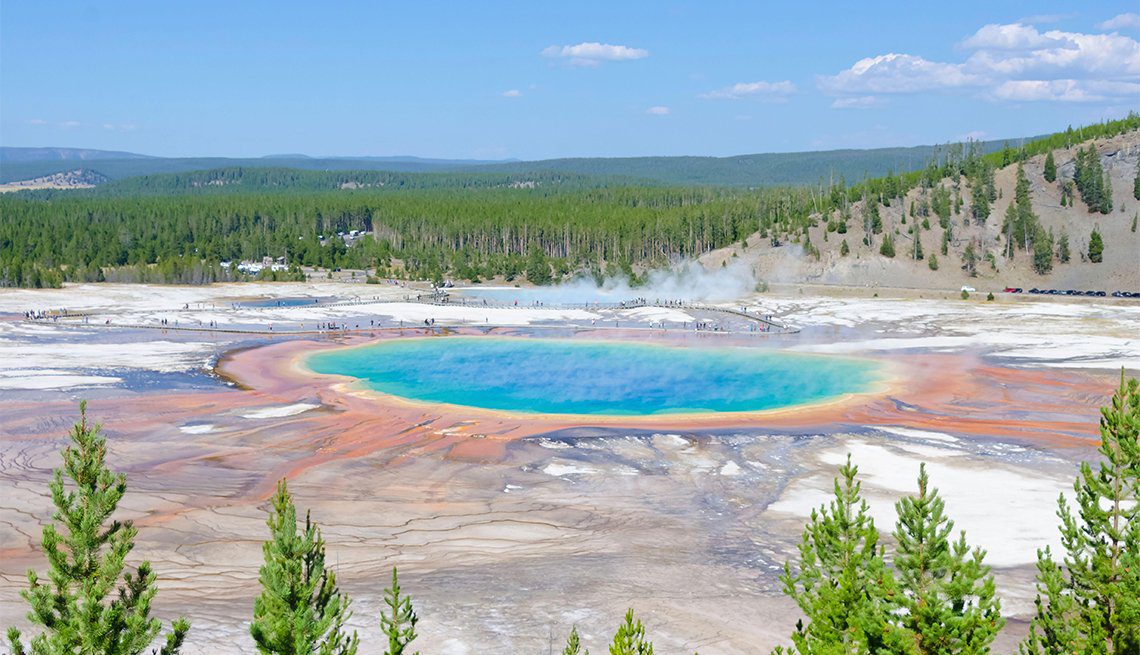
(400, 625)
(574, 644)
(82, 607)
(630, 638)
(945, 591)
(842, 580)
(1089, 602)
(300, 610)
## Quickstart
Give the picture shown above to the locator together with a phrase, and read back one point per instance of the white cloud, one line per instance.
(1122, 22)
(777, 91)
(1010, 62)
(1069, 55)
(36, 121)
(659, 110)
(593, 53)
(67, 125)
(974, 135)
(512, 93)
(1065, 90)
(858, 102)
(1013, 36)
(897, 73)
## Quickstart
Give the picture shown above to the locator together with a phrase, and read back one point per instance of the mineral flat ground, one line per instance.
(509, 528)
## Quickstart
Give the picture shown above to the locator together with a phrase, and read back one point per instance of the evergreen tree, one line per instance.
(1008, 225)
(1096, 247)
(1020, 224)
(888, 247)
(1042, 251)
(574, 644)
(932, 262)
(1050, 168)
(1089, 602)
(946, 593)
(1063, 248)
(979, 201)
(400, 625)
(844, 249)
(970, 260)
(872, 221)
(842, 579)
(1092, 181)
(917, 251)
(82, 606)
(1136, 184)
(300, 610)
(537, 268)
(940, 203)
(630, 638)
(1106, 199)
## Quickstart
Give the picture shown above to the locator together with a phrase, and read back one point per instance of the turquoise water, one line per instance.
(554, 376)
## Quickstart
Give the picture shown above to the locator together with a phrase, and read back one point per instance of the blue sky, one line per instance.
(529, 80)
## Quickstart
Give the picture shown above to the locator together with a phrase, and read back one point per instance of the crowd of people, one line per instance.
(760, 323)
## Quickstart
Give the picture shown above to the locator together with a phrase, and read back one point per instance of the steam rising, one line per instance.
(689, 281)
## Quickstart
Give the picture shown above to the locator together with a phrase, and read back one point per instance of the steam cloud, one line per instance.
(689, 281)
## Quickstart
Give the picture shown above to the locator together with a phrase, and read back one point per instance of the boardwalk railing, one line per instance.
(771, 326)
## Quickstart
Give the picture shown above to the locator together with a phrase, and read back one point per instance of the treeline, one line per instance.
(179, 228)
(238, 179)
(967, 160)
(930, 593)
(420, 233)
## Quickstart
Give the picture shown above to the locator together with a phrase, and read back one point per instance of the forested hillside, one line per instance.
(471, 233)
(783, 168)
(1059, 213)
(179, 228)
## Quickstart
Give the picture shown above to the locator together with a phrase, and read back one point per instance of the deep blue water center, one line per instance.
(555, 376)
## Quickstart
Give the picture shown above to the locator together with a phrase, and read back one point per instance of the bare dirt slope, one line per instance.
(865, 266)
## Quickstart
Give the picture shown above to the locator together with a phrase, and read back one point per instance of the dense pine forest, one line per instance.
(180, 228)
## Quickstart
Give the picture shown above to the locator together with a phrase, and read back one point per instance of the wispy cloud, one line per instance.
(36, 121)
(1065, 90)
(1006, 62)
(775, 91)
(858, 102)
(512, 93)
(1127, 21)
(593, 54)
(120, 127)
(896, 73)
(69, 125)
(659, 110)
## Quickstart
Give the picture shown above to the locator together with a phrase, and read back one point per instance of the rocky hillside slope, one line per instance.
(863, 265)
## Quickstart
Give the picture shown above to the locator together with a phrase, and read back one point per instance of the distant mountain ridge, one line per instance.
(766, 169)
(11, 154)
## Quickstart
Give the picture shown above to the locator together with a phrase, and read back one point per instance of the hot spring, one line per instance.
(557, 376)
